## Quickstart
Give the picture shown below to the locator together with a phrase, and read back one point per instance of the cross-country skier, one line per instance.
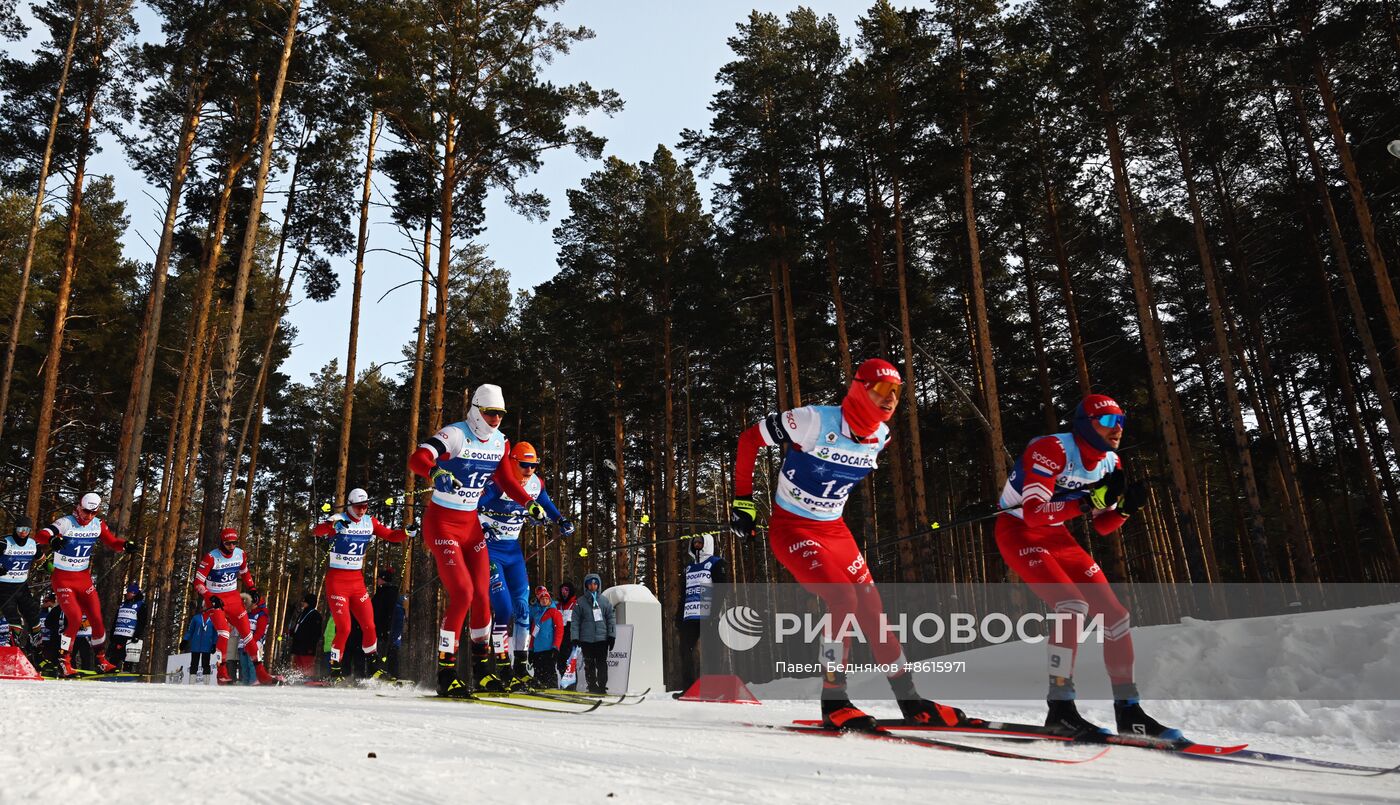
(350, 533)
(502, 520)
(1058, 478)
(17, 555)
(698, 606)
(216, 579)
(129, 623)
(72, 539)
(459, 460)
(827, 450)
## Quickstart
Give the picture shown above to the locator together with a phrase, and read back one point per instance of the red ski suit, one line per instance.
(345, 584)
(455, 539)
(232, 610)
(76, 593)
(1039, 548)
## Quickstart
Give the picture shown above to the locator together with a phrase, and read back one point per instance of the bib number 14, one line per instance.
(840, 492)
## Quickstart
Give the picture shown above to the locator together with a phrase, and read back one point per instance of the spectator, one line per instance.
(304, 633)
(385, 603)
(245, 660)
(546, 635)
(697, 607)
(595, 628)
(82, 646)
(259, 619)
(50, 627)
(200, 639)
(128, 625)
(565, 603)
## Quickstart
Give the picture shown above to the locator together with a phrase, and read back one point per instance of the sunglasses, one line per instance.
(528, 464)
(1111, 420)
(493, 412)
(884, 388)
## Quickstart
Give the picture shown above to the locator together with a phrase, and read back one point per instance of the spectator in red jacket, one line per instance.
(546, 635)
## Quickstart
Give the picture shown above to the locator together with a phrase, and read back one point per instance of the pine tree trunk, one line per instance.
(1340, 360)
(1057, 242)
(1258, 538)
(794, 384)
(1042, 364)
(774, 296)
(996, 446)
(419, 633)
(622, 565)
(911, 399)
(1384, 289)
(348, 400)
(62, 298)
(253, 419)
(133, 431)
(671, 555)
(1159, 372)
(833, 269)
(214, 480)
(35, 219)
(449, 191)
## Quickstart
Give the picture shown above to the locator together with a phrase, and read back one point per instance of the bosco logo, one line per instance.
(740, 628)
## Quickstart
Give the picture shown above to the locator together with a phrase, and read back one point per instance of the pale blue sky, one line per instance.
(660, 55)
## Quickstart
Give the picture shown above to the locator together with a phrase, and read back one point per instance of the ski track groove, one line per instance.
(295, 745)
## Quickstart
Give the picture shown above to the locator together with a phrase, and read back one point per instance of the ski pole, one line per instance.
(649, 544)
(936, 526)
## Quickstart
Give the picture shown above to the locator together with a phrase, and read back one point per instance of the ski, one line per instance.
(1275, 760)
(931, 743)
(501, 700)
(1032, 732)
(608, 699)
(116, 676)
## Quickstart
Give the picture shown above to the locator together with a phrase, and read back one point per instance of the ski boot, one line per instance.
(484, 672)
(918, 710)
(103, 667)
(839, 714)
(1133, 721)
(65, 665)
(1064, 718)
(379, 668)
(264, 676)
(447, 682)
(520, 676)
(222, 677)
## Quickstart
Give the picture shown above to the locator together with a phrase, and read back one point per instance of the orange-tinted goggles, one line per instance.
(884, 388)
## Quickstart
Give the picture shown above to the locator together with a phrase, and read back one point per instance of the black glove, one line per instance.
(214, 602)
(184, 646)
(131, 546)
(3, 543)
(56, 543)
(253, 592)
(1134, 498)
(741, 516)
(612, 641)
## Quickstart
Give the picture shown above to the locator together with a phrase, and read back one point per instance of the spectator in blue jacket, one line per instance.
(200, 640)
(546, 635)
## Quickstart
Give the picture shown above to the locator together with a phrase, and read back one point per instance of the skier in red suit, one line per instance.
(216, 579)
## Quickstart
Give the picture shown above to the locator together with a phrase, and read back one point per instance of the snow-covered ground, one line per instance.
(84, 742)
(80, 742)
